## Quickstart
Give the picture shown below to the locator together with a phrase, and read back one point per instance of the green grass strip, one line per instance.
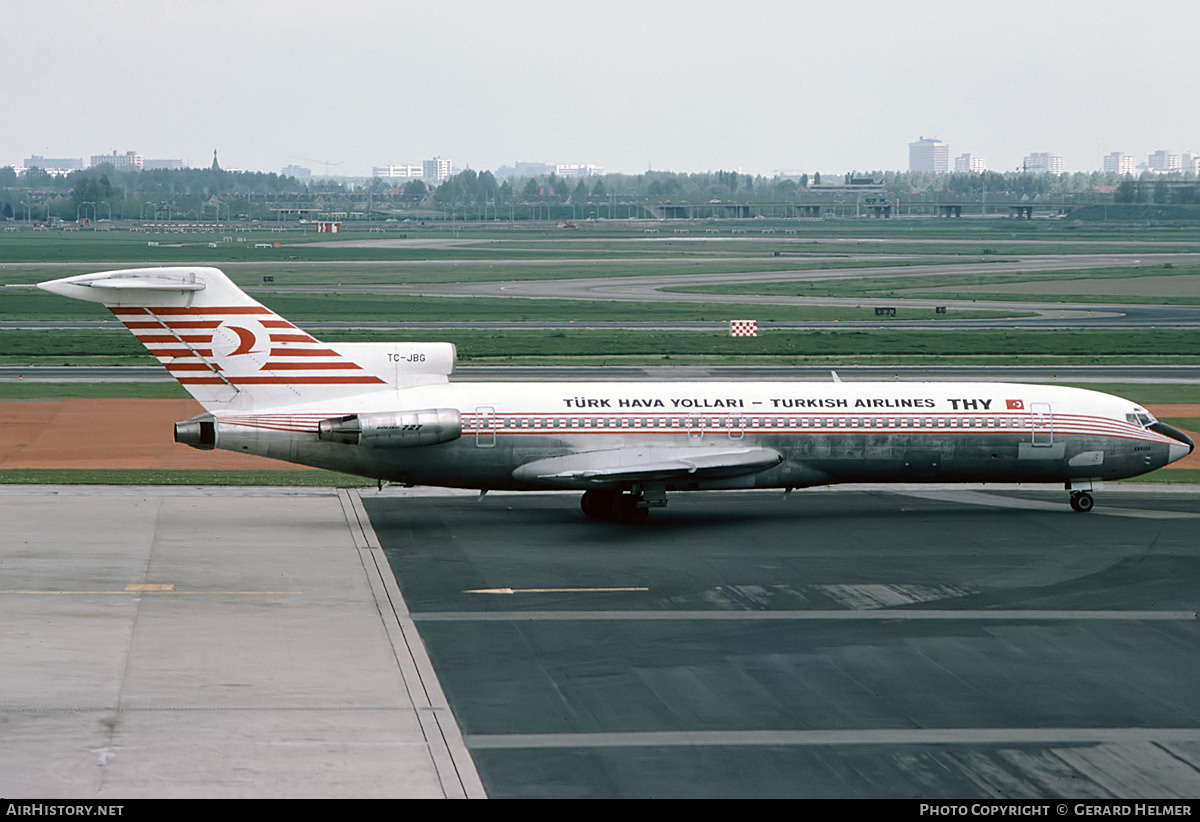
(154, 476)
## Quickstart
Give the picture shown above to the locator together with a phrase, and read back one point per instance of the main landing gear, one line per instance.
(632, 507)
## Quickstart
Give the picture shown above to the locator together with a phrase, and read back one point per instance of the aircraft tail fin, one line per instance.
(233, 353)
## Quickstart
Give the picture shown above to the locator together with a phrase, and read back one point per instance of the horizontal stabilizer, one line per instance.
(599, 468)
(122, 287)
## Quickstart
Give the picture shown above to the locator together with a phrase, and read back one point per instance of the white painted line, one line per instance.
(876, 615)
(873, 736)
(455, 768)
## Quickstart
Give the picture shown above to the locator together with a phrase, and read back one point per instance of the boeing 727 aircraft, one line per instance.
(389, 411)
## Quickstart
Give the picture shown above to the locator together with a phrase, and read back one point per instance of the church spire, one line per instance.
(215, 166)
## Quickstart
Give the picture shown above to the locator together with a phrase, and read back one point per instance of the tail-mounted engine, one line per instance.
(198, 432)
(401, 429)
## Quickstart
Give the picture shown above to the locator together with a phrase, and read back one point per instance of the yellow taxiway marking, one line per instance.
(551, 590)
(151, 586)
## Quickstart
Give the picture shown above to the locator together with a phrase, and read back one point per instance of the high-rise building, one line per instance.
(129, 161)
(929, 154)
(1118, 162)
(1043, 162)
(1164, 162)
(437, 169)
(970, 162)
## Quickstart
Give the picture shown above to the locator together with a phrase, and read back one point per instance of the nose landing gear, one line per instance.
(1082, 501)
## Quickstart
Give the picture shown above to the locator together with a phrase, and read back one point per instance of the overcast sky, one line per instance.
(694, 85)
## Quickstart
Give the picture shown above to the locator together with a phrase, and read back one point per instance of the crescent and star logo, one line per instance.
(246, 340)
(241, 345)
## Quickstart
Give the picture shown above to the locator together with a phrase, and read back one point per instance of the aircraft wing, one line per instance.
(609, 467)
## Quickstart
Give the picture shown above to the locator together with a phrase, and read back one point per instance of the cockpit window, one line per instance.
(1140, 417)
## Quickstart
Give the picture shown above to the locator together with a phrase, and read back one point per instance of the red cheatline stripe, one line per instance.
(276, 324)
(304, 338)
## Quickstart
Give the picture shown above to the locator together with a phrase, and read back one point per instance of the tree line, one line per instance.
(213, 194)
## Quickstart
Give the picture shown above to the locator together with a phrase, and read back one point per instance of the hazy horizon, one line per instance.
(692, 86)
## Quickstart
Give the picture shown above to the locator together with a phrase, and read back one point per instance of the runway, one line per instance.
(942, 642)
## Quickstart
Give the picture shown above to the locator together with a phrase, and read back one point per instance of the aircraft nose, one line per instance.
(1175, 451)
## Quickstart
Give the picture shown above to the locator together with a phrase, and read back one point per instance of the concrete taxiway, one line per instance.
(899, 641)
(165, 642)
(858, 642)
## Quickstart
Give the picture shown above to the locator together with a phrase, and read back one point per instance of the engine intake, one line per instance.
(400, 429)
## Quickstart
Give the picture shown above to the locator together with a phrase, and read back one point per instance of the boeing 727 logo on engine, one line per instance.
(390, 411)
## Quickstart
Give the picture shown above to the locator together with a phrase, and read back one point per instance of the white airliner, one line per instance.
(389, 411)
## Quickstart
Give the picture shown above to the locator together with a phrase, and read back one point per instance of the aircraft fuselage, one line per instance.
(823, 432)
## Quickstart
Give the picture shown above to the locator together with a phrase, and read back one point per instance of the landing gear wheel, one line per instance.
(1082, 501)
(599, 504)
(613, 505)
